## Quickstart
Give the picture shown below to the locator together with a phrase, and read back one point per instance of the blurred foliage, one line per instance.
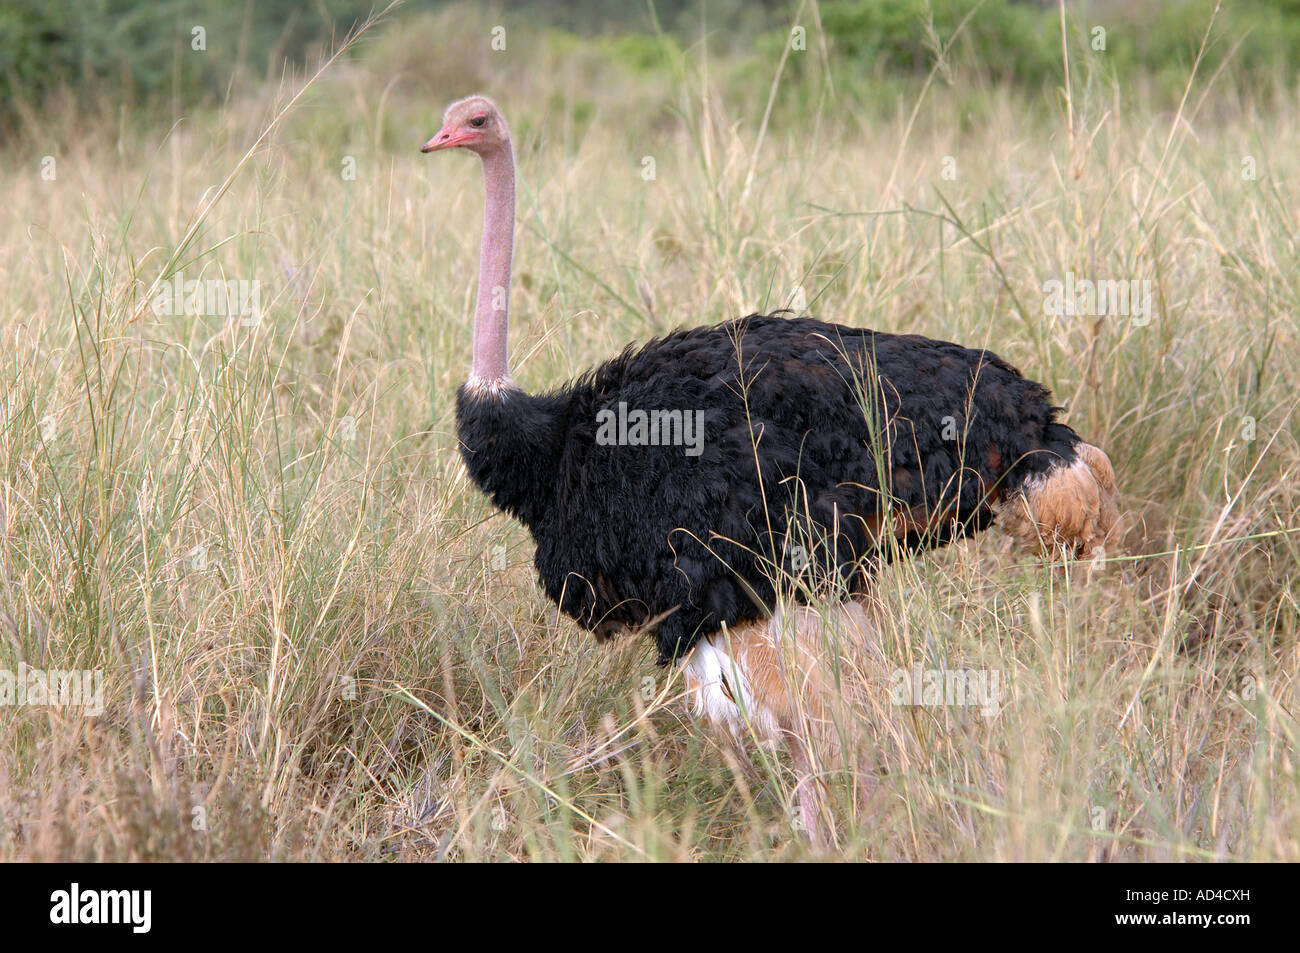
(1019, 42)
(137, 53)
(1014, 41)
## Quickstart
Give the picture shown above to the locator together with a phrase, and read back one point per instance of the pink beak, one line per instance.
(449, 137)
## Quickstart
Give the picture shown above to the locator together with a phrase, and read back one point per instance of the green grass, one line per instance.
(320, 642)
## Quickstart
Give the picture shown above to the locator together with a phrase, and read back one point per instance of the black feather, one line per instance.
(799, 418)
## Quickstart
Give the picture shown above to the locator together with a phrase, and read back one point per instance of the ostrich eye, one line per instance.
(478, 122)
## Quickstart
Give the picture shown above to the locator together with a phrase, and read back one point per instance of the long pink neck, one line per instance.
(491, 314)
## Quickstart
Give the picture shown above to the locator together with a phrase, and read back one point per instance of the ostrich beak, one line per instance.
(449, 137)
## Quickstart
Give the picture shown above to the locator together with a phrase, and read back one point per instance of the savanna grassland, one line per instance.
(319, 642)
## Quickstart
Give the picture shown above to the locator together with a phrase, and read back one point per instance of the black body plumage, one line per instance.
(811, 433)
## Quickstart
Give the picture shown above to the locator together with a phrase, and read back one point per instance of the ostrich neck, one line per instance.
(491, 314)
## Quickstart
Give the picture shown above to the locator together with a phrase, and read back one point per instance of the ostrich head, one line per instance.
(474, 123)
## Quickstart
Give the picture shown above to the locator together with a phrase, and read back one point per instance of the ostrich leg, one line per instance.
(766, 681)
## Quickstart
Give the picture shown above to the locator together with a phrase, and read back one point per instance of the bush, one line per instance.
(1019, 42)
(138, 52)
(1013, 42)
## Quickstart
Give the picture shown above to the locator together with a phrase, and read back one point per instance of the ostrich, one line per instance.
(676, 488)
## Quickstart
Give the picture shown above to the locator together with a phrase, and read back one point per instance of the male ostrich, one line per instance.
(824, 450)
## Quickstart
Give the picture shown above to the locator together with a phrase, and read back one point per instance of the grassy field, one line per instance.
(319, 642)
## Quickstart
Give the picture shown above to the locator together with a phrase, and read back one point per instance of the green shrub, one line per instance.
(136, 52)
(1011, 41)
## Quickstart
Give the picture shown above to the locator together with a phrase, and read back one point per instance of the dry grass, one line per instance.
(318, 640)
